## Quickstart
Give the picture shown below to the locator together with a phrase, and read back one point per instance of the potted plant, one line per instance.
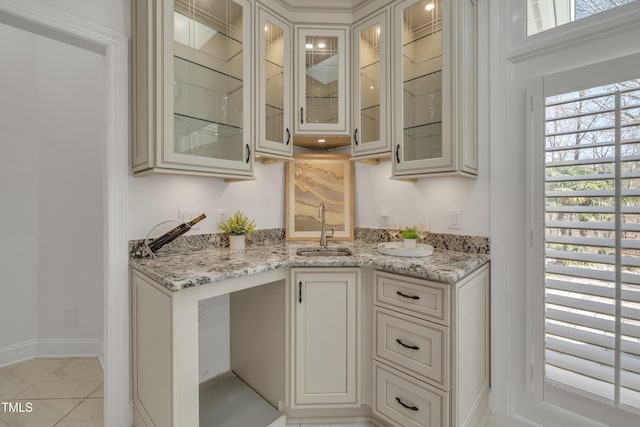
(410, 237)
(237, 227)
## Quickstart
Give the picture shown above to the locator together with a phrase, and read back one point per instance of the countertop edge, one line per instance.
(379, 262)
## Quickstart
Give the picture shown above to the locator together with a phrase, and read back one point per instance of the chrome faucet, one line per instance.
(323, 227)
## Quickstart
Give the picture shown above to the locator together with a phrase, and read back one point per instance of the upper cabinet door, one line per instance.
(371, 86)
(193, 57)
(274, 86)
(434, 87)
(322, 81)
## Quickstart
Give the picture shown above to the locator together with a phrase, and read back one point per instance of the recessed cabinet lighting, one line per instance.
(309, 45)
(429, 7)
(322, 45)
(321, 140)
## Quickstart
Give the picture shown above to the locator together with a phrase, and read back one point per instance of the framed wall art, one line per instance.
(311, 179)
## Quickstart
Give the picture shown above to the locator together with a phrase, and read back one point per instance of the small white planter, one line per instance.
(410, 243)
(236, 243)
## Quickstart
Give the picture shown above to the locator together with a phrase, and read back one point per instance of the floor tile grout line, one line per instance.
(46, 376)
(68, 413)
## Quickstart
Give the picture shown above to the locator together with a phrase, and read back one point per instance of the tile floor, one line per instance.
(69, 393)
(62, 393)
(493, 421)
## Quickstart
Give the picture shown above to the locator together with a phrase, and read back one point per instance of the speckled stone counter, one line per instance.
(212, 265)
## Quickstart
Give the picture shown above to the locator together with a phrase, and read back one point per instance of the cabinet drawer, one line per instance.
(416, 297)
(417, 346)
(404, 401)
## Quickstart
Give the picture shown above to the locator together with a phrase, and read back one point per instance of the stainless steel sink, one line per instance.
(324, 251)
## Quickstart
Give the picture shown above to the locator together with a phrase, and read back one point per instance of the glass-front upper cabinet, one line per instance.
(434, 55)
(371, 87)
(274, 85)
(192, 95)
(322, 81)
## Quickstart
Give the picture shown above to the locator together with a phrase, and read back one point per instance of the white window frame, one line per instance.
(617, 20)
(617, 70)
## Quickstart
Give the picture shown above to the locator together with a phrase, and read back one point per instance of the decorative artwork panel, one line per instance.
(313, 179)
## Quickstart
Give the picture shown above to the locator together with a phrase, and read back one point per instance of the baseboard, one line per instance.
(71, 347)
(18, 352)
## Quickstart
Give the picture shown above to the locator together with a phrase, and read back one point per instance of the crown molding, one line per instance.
(324, 5)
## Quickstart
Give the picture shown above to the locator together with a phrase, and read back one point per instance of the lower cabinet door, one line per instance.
(324, 338)
(404, 401)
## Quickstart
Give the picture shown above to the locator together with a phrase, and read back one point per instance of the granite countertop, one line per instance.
(212, 265)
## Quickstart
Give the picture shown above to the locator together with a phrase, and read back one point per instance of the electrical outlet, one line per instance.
(455, 219)
(222, 215)
(384, 216)
(186, 215)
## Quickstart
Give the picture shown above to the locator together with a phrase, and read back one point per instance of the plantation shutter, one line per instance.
(592, 242)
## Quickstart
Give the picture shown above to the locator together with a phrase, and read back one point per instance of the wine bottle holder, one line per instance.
(147, 241)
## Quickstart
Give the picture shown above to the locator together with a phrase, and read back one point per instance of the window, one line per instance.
(587, 184)
(546, 14)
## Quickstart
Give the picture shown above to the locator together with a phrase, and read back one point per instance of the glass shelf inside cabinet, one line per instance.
(423, 142)
(202, 138)
(422, 81)
(208, 79)
(322, 72)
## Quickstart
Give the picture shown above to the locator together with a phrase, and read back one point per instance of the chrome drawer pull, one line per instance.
(413, 408)
(407, 296)
(409, 346)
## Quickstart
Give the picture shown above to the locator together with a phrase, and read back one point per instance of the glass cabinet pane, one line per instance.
(369, 85)
(274, 82)
(422, 81)
(208, 79)
(322, 79)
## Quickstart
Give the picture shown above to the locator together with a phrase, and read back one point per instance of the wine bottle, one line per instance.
(174, 233)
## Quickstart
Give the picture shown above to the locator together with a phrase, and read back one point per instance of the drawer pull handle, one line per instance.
(409, 346)
(300, 292)
(413, 408)
(407, 296)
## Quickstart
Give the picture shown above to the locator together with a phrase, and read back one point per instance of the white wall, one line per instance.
(153, 199)
(374, 191)
(18, 192)
(52, 128)
(71, 123)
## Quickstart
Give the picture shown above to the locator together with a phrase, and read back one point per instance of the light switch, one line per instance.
(455, 219)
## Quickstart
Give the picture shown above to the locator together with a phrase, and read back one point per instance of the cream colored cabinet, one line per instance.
(325, 338)
(431, 350)
(321, 80)
(192, 87)
(370, 87)
(434, 88)
(273, 86)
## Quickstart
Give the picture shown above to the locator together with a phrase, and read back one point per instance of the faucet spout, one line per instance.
(323, 226)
